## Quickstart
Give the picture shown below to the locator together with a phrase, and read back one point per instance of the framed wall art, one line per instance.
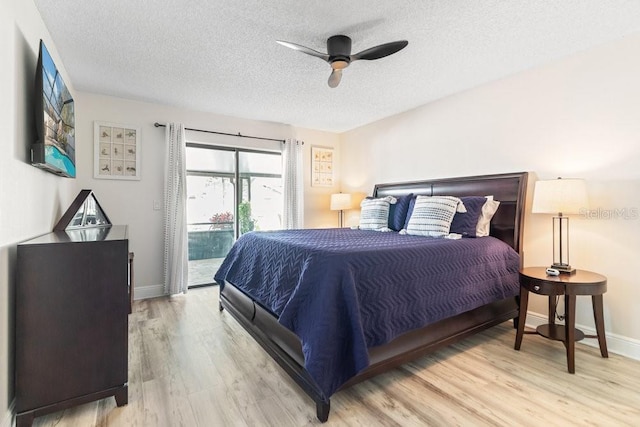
(321, 166)
(116, 151)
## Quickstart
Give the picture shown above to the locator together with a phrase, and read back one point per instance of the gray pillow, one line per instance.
(374, 213)
(432, 215)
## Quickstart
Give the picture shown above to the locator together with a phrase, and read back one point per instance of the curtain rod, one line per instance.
(156, 124)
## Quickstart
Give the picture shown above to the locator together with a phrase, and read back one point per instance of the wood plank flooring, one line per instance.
(190, 365)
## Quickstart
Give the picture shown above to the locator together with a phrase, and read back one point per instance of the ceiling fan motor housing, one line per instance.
(339, 50)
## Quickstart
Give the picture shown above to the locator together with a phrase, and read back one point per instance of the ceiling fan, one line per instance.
(339, 54)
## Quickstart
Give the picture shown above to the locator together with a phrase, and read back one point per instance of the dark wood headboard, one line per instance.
(509, 189)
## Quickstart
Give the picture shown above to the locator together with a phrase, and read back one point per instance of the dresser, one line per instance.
(72, 305)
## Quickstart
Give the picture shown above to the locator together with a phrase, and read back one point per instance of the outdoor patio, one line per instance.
(201, 271)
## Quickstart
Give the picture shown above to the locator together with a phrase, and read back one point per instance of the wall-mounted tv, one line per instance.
(55, 150)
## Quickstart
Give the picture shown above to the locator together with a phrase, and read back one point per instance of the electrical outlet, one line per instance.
(156, 205)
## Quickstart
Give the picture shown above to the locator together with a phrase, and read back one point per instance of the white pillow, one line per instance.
(432, 215)
(488, 210)
(374, 213)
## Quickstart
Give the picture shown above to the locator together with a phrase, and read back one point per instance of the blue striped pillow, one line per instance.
(432, 216)
(374, 213)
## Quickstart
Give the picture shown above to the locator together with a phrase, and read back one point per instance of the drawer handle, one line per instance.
(536, 288)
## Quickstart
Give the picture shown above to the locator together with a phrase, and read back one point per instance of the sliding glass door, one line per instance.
(231, 191)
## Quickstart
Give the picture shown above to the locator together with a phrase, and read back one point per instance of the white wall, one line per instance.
(577, 117)
(317, 199)
(131, 202)
(31, 200)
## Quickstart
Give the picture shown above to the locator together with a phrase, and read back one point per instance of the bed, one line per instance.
(335, 307)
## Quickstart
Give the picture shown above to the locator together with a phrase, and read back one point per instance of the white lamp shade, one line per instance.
(340, 201)
(554, 196)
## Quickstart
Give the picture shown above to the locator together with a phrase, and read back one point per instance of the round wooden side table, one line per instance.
(582, 282)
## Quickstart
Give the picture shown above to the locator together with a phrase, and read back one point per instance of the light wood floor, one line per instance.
(190, 365)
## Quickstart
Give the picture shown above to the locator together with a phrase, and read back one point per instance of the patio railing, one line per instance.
(207, 240)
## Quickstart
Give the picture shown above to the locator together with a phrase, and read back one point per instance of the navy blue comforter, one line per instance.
(342, 291)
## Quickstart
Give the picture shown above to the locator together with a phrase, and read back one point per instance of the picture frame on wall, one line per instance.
(116, 151)
(321, 166)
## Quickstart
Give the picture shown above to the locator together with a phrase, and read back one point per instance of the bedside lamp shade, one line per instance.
(559, 197)
(340, 202)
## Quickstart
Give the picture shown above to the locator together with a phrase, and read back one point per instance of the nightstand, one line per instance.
(582, 282)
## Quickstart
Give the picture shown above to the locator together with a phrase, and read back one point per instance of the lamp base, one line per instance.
(564, 268)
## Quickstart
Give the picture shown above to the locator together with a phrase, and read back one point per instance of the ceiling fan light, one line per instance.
(339, 64)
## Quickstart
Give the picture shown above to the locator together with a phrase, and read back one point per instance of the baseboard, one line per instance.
(617, 344)
(151, 291)
(9, 418)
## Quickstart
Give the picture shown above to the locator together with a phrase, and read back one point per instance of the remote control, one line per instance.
(552, 272)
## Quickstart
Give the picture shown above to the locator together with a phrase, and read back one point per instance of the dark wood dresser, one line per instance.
(72, 308)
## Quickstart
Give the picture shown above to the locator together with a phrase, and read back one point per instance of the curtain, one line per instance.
(176, 262)
(293, 212)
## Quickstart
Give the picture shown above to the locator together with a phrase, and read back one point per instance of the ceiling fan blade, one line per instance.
(304, 49)
(380, 51)
(334, 78)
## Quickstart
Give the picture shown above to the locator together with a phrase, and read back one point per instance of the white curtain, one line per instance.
(293, 185)
(176, 262)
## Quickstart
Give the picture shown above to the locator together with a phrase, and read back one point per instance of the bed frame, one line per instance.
(285, 347)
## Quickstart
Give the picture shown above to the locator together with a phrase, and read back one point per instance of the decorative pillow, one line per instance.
(488, 210)
(432, 216)
(466, 223)
(412, 203)
(398, 212)
(374, 213)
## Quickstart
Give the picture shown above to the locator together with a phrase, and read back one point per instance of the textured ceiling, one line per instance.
(220, 56)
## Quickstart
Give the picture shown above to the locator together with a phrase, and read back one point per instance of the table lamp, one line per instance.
(560, 197)
(340, 202)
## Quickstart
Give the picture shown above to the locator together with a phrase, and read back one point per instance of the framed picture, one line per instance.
(321, 166)
(116, 151)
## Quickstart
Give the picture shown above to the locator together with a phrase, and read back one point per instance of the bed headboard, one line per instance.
(509, 189)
